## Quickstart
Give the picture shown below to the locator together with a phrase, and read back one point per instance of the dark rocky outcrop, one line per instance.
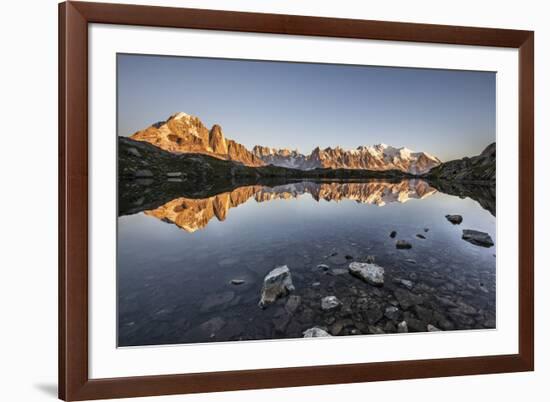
(474, 169)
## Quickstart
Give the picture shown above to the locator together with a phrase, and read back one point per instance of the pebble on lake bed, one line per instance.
(315, 332)
(237, 281)
(369, 259)
(404, 282)
(403, 245)
(393, 234)
(392, 313)
(330, 303)
(402, 327)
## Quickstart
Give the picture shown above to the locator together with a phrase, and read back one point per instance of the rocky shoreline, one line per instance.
(347, 294)
(371, 310)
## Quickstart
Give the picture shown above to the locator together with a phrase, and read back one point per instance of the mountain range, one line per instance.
(183, 133)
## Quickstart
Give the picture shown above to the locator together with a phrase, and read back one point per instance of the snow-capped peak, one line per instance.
(375, 157)
(179, 116)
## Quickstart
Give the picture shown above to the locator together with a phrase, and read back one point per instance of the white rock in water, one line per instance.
(370, 273)
(315, 332)
(432, 328)
(277, 283)
(402, 327)
(330, 302)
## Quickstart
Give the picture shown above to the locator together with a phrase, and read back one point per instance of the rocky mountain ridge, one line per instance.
(477, 168)
(183, 133)
(377, 157)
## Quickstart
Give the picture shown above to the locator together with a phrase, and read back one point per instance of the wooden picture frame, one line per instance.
(74, 381)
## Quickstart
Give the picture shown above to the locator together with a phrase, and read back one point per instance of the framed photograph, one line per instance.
(258, 200)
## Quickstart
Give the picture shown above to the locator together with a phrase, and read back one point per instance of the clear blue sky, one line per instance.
(449, 114)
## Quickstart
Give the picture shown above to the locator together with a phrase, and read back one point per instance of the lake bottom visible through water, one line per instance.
(192, 269)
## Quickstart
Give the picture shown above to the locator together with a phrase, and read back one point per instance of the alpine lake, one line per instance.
(191, 269)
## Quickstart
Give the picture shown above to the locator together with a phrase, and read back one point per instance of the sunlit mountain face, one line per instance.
(182, 133)
(194, 214)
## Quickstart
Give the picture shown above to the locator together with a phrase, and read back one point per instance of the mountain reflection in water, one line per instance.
(199, 278)
(193, 214)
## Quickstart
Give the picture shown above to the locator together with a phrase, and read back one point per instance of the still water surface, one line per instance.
(176, 263)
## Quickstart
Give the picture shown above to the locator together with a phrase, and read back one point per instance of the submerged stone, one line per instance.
(293, 303)
(143, 173)
(403, 244)
(454, 219)
(339, 325)
(217, 301)
(404, 282)
(330, 303)
(415, 325)
(392, 313)
(376, 330)
(315, 332)
(281, 320)
(406, 299)
(213, 325)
